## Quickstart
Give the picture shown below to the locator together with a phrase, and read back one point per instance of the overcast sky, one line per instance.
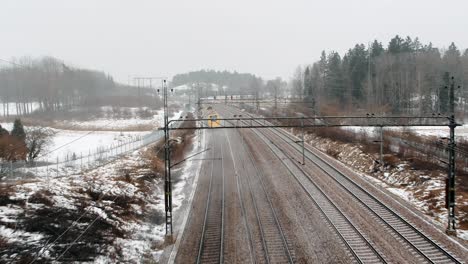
(268, 38)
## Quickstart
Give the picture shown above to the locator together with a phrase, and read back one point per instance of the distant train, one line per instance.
(214, 122)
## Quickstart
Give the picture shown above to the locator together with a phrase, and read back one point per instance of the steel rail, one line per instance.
(209, 201)
(331, 217)
(380, 215)
(366, 203)
(260, 175)
(249, 231)
(321, 207)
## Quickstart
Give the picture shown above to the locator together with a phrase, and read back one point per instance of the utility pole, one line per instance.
(381, 149)
(303, 143)
(167, 164)
(167, 152)
(450, 184)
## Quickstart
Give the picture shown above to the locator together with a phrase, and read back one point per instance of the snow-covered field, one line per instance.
(76, 143)
(122, 198)
(67, 142)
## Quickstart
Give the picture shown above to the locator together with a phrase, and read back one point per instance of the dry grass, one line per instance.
(41, 197)
(178, 150)
(391, 161)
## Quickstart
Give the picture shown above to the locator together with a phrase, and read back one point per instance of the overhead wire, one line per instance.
(48, 245)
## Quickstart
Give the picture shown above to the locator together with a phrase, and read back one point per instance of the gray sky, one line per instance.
(267, 37)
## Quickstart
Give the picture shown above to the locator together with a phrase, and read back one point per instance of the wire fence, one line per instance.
(73, 163)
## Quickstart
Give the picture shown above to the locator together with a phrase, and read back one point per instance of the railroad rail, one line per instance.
(422, 246)
(211, 246)
(274, 244)
(357, 244)
(397, 224)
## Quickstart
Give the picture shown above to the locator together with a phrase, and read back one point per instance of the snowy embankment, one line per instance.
(112, 209)
(460, 132)
(112, 213)
(425, 189)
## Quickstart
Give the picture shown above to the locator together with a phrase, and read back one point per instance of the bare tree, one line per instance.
(298, 82)
(37, 140)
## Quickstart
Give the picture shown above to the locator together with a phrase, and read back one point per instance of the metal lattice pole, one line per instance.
(451, 228)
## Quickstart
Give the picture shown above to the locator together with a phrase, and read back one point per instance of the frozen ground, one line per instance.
(68, 143)
(123, 199)
(460, 132)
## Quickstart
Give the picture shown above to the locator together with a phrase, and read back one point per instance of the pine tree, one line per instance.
(334, 78)
(395, 45)
(18, 129)
(376, 49)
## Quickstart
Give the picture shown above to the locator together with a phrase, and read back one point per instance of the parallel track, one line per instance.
(359, 247)
(212, 240)
(422, 246)
(273, 242)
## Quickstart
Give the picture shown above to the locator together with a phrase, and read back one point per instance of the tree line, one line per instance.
(48, 84)
(406, 76)
(232, 83)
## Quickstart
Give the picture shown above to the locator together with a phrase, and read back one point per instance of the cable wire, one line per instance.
(48, 245)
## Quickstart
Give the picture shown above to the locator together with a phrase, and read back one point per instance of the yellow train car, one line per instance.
(214, 122)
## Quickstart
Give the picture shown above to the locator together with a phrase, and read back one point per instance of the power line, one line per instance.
(13, 63)
(74, 140)
(48, 245)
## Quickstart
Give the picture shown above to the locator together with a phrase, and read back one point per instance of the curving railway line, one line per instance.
(423, 248)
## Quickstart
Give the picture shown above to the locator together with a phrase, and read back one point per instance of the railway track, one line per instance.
(271, 244)
(212, 240)
(422, 247)
(358, 245)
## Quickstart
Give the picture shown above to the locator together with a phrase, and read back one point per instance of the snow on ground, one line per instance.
(74, 191)
(424, 189)
(460, 132)
(67, 142)
(123, 194)
(132, 122)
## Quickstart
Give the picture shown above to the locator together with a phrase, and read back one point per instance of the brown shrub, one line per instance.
(12, 148)
(391, 160)
(333, 152)
(41, 197)
(420, 164)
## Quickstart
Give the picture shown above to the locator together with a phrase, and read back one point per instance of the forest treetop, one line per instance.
(406, 76)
